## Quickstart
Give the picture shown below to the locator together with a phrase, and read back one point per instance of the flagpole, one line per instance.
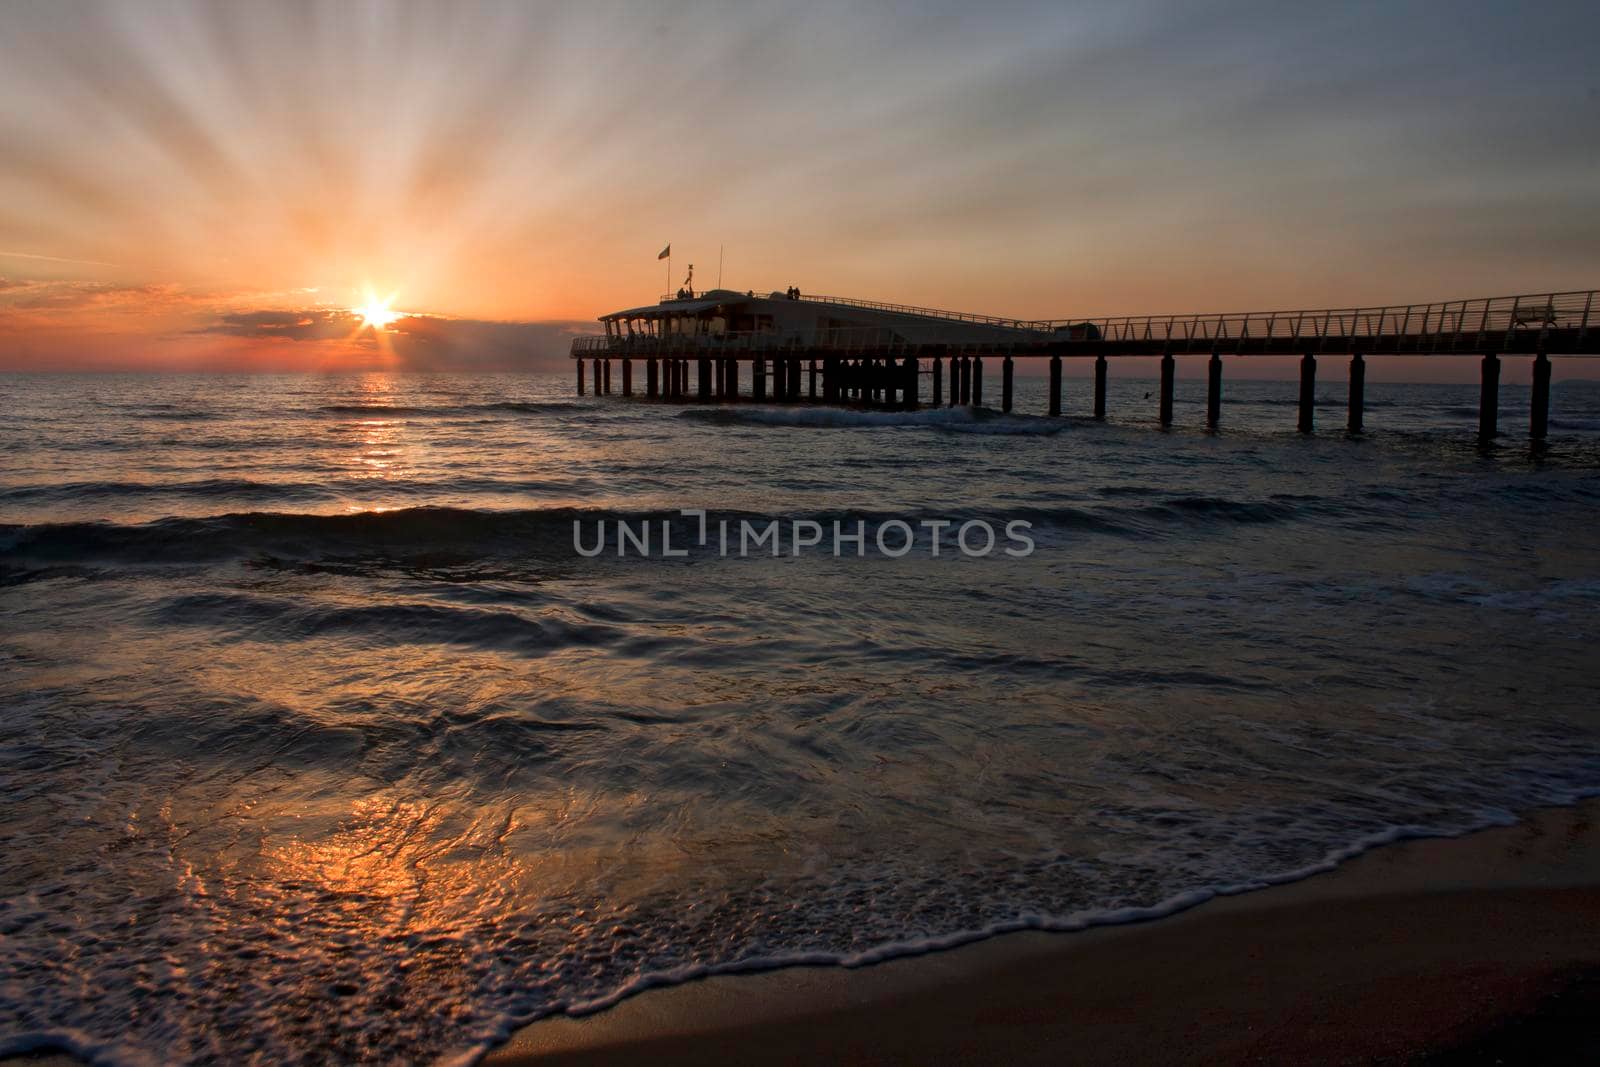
(719, 266)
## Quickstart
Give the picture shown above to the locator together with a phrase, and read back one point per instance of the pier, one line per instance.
(703, 347)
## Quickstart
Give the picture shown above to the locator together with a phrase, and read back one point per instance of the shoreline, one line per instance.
(1424, 947)
(1474, 949)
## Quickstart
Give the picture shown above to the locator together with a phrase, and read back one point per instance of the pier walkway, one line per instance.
(862, 352)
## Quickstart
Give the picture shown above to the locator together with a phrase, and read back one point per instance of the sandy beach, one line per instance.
(1484, 948)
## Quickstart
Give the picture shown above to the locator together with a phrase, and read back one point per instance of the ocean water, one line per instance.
(320, 740)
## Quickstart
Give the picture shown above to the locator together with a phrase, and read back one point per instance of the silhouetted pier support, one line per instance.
(1358, 392)
(908, 377)
(703, 380)
(1164, 405)
(1100, 373)
(599, 386)
(758, 380)
(1308, 393)
(580, 362)
(1214, 391)
(1006, 369)
(608, 376)
(811, 382)
(1489, 399)
(794, 378)
(977, 381)
(652, 383)
(1539, 420)
(1055, 385)
(938, 381)
(627, 377)
(964, 395)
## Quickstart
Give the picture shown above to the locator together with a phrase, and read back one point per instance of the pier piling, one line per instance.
(1308, 392)
(1055, 385)
(1006, 369)
(758, 380)
(580, 376)
(794, 378)
(608, 377)
(812, 381)
(1489, 399)
(977, 381)
(1539, 422)
(652, 383)
(965, 396)
(627, 377)
(1168, 372)
(1100, 368)
(703, 367)
(1358, 390)
(909, 386)
(938, 381)
(1214, 390)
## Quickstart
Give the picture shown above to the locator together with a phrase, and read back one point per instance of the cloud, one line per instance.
(316, 325)
(416, 342)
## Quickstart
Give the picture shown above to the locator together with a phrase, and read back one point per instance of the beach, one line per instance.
(1479, 949)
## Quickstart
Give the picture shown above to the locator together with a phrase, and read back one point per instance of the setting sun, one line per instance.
(377, 313)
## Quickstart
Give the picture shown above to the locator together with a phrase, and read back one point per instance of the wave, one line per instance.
(449, 537)
(279, 618)
(955, 420)
(242, 488)
(524, 407)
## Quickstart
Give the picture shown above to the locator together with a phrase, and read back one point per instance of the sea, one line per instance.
(340, 723)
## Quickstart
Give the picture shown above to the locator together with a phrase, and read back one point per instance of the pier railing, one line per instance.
(1554, 322)
(1445, 325)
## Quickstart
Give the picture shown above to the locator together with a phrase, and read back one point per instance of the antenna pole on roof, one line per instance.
(719, 266)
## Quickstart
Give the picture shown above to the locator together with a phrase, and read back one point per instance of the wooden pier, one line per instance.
(695, 347)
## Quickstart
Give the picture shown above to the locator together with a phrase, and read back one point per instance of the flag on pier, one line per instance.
(665, 252)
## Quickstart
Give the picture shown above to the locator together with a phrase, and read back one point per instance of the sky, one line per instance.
(215, 186)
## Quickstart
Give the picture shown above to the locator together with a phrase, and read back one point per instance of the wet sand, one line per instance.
(1475, 950)
(1478, 949)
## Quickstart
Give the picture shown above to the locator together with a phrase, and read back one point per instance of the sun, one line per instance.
(377, 313)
